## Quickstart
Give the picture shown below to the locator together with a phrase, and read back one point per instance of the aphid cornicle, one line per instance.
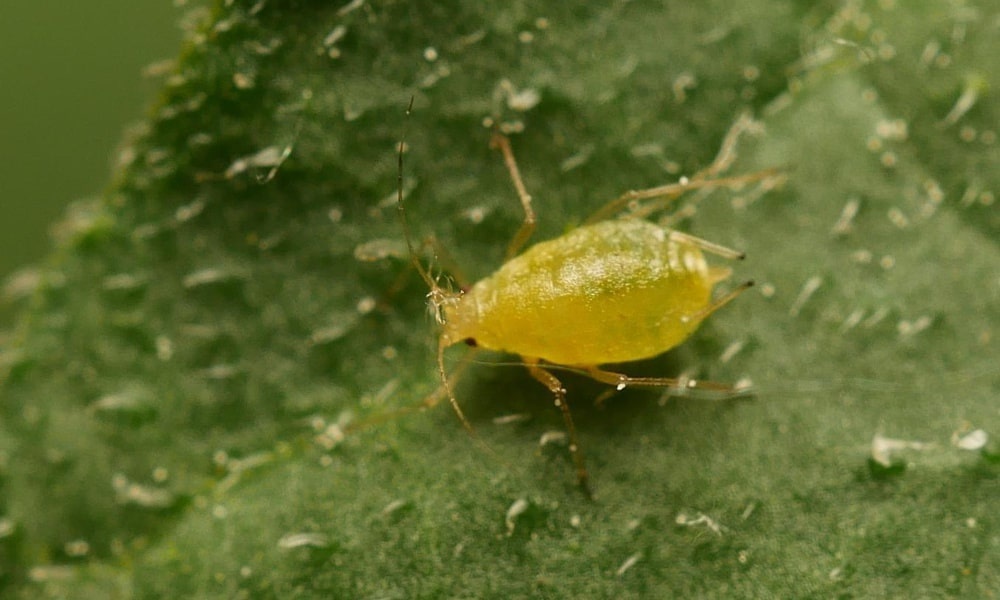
(610, 291)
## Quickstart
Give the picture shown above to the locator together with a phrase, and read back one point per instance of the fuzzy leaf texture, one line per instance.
(171, 396)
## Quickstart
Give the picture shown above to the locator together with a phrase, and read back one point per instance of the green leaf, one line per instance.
(171, 399)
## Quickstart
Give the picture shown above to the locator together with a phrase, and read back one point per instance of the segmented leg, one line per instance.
(622, 381)
(432, 400)
(704, 179)
(555, 386)
(446, 383)
(727, 151)
(671, 191)
(501, 142)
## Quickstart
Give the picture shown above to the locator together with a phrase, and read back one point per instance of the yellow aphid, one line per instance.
(610, 291)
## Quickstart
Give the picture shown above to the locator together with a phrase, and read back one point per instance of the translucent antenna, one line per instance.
(401, 211)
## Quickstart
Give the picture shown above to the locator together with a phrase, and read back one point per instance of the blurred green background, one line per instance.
(70, 80)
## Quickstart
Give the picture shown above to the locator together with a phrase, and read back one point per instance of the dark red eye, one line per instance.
(471, 342)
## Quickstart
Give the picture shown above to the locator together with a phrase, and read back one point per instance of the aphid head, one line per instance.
(441, 303)
(458, 319)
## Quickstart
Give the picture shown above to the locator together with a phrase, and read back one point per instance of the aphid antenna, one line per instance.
(401, 209)
(437, 296)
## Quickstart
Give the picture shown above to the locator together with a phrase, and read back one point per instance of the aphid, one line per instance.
(610, 291)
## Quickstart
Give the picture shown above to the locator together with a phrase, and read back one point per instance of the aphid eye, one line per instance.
(465, 288)
(471, 342)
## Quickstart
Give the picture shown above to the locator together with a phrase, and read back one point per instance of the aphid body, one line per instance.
(610, 291)
(615, 291)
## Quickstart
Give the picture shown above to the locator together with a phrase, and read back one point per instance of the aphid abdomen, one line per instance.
(615, 291)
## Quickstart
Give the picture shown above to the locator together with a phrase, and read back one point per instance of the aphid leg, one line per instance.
(555, 386)
(727, 151)
(432, 400)
(446, 390)
(501, 142)
(446, 384)
(621, 381)
(671, 191)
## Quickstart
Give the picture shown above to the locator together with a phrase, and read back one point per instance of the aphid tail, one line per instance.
(718, 274)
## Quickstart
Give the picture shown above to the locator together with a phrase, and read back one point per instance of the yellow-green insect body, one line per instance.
(615, 291)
